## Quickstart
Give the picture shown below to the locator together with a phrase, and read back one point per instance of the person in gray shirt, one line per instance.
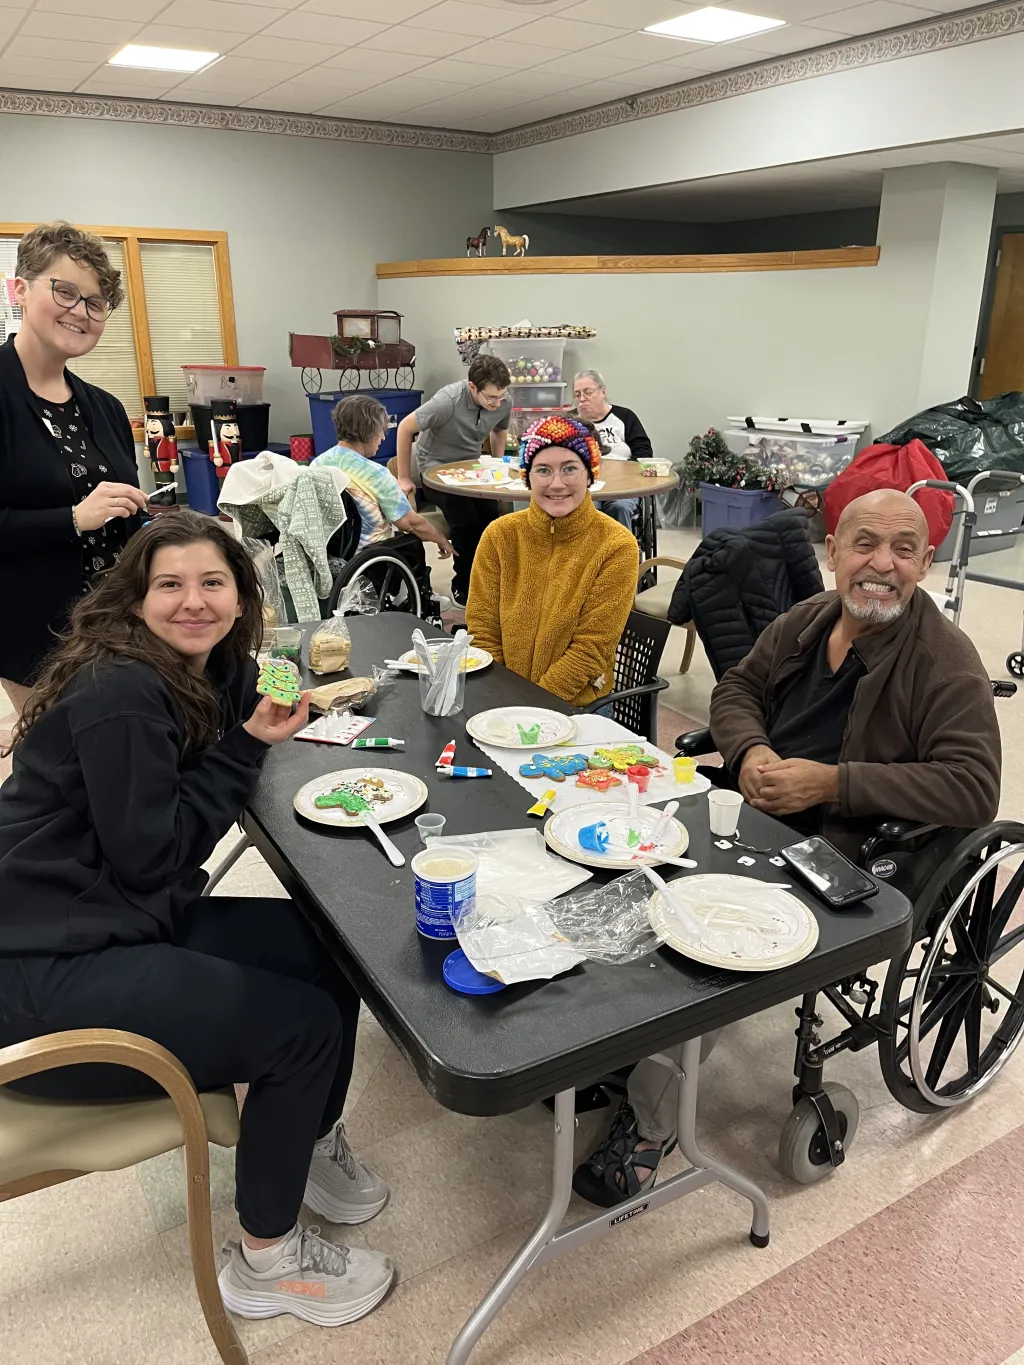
(453, 425)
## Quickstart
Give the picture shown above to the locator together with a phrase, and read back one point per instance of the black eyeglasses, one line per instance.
(68, 296)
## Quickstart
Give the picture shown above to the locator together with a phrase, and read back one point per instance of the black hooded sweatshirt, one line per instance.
(103, 827)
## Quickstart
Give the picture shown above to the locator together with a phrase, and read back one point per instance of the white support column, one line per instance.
(933, 229)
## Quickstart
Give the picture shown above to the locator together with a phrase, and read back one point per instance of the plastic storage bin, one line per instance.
(735, 506)
(531, 360)
(809, 461)
(398, 402)
(550, 395)
(1000, 512)
(253, 425)
(207, 383)
(202, 487)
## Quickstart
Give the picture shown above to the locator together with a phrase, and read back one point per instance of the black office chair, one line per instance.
(634, 695)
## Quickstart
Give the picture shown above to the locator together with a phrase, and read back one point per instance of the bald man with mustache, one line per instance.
(864, 703)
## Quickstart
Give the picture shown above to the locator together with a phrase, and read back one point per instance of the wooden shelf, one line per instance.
(841, 258)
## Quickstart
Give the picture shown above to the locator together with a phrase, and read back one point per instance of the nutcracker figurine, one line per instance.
(160, 439)
(226, 439)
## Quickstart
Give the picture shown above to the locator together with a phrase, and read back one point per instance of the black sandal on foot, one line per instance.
(617, 1171)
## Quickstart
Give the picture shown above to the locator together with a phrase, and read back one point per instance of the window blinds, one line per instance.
(184, 317)
(113, 364)
(8, 262)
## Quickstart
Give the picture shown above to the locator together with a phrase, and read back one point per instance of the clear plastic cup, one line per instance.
(436, 704)
(430, 826)
(724, 809)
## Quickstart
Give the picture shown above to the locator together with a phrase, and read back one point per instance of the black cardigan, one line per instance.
(40, 553)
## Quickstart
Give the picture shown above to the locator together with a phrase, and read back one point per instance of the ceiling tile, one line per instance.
(472, 104)
(185, 94)
(480, 20)
(322, 28)
(383, 11)
(517, 56)
(385, 64)
(216, 14)
(564, 36)
(777, 42)
(550, 6)
(62, 49)
(143, 10)
(633, 14)
(460, 71)
(871, 18)
(46, 24)
(792, 11)
(419, 41)
(389, 107)
(597, 67)
(411, 91)
(137, 89)
(643, 78)
(647, 48)
(207, 39)
(9, 21)
(31, 73)
(266, 49)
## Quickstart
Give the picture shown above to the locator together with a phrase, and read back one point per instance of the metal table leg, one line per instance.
(548, 1241)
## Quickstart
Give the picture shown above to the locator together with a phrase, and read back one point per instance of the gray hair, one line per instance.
(592, 375)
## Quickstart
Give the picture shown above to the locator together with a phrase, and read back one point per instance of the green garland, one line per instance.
(709, 460)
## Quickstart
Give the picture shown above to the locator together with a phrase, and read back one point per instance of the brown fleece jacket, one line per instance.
(921, 741)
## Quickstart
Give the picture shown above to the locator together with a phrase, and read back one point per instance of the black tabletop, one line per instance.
(497, 1053)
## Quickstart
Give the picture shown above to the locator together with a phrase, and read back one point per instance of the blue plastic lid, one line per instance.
(462, 976)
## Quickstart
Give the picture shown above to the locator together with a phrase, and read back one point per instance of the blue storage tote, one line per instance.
(399, 403)
(201, 483)
(735, 506)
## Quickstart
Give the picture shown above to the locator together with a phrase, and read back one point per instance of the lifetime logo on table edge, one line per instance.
(630, 1213)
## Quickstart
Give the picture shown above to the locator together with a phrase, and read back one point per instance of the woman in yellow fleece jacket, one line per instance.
(552, 586)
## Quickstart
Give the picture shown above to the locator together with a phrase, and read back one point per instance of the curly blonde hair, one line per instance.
(43, 245)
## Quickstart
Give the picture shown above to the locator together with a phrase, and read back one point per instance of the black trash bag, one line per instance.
(968, 436)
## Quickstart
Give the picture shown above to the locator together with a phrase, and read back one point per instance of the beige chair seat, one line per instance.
(105, 1135)
(654, 601)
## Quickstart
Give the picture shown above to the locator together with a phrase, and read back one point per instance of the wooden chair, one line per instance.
(654, 602)
(432, 514)
(46, 1142)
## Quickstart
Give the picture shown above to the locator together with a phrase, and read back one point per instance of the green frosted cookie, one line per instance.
(349, 802)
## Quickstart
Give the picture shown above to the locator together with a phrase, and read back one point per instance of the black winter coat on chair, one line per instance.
(739, 580)
(41, 567)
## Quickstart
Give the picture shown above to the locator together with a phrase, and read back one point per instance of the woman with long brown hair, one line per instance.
(138, 750)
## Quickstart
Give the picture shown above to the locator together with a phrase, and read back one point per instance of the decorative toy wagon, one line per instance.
(368, 341)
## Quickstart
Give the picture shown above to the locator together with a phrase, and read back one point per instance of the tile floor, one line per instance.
(911, 1255)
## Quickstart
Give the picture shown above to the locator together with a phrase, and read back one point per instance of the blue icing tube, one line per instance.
(594, 838)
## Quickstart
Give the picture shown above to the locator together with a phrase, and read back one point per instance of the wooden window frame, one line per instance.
(135, 287)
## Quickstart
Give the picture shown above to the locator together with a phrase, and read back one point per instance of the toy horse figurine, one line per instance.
(519, 244)
(478, 244)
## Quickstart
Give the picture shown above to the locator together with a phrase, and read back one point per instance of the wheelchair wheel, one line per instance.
(955, 1001)
(803, 1146)
(389, 579)
(1015, 665)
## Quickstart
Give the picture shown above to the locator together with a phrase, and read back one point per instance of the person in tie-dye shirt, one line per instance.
(361, 423)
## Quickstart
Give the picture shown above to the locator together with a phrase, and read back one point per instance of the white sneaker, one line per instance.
(313, 1279)
(338, 1188)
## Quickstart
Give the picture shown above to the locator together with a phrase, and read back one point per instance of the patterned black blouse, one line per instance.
(87, 466)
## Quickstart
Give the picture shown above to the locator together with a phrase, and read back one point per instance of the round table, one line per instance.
(621, 478)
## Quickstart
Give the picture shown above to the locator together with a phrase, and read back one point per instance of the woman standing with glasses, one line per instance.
(552, 586)
(69, 495)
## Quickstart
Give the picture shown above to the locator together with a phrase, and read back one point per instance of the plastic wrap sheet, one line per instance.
(608, 923)
(517, 861)
(513, 939)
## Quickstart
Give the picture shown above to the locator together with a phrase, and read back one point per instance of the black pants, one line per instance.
(468, 519)
(245, 993)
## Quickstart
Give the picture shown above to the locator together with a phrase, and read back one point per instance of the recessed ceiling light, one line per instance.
(713, 25)
(163, 58)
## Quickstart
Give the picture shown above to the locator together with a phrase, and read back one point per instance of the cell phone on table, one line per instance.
(828, 873)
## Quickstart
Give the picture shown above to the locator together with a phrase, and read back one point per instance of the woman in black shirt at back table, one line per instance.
(69, 493)
(140, 746)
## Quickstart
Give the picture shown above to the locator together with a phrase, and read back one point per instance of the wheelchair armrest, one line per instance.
(894, 832)
(657, 685)
(695, 742)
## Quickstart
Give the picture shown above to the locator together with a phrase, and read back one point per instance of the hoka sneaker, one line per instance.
(338, 1188)
(313, 1279)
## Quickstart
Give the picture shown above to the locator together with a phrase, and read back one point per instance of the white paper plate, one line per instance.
(500, 727)
(476, 659)
(562, 834)
(747, 925)
(408, 794)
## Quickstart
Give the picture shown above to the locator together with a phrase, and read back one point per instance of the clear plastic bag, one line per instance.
(330, 645)
(262, 554)
(517, 860)
(513, 939)
(608, 923)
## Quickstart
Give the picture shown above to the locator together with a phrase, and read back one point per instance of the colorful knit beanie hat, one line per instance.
(567, 432)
